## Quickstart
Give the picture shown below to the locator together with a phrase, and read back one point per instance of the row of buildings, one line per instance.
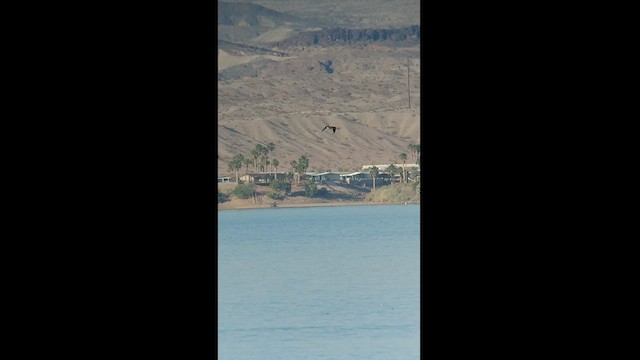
(355, 178)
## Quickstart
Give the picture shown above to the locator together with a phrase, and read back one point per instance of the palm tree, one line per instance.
(299, 167)
(392, 170)
(275, 164)
(258, 153)
(247, 162)
(255, 153)
(373, 171)
(294, 165)
(240, 159)
(417, 148)
(303, 165)
(412, 149)
(232, 167)
(288, 177)
(414, 174)
(263, 159)
(270, 147)
(236, 164)
(403, 157)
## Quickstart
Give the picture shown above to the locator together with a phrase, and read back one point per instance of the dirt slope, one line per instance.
(287, 99)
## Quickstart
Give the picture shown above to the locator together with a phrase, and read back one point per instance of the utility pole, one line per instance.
(408, 83)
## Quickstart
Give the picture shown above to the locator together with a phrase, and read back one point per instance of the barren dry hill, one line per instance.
(275, 87)
(347, 13)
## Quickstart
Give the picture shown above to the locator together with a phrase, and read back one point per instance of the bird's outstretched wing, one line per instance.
(325, 127)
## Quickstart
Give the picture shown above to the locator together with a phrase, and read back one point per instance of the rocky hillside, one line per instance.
(248, 14)
(393, 37)
(354, 14)
(251, 23)
(282, 86)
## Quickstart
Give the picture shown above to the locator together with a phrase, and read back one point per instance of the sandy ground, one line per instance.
(289, 101)
(226, 60)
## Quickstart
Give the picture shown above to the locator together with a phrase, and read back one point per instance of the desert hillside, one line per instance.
(346, 13)
(276, 86)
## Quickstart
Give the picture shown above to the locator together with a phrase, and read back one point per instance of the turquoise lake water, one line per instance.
(319, 283)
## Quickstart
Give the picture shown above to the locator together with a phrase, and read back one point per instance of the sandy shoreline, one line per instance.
(342, 203)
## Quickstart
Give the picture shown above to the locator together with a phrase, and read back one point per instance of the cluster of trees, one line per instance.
(299, 167)
(259, 159)
(414, 151)
(244, 191)
(374, 172)
(236, 164)
(279, 189)
(260, 155)
(311, 190)
(393, 170)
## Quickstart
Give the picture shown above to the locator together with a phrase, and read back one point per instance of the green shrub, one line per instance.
(395, 193)
(280, 186)
(279, 189)
(310, 189)
(244, 191)
(222, 197)
(275, 195)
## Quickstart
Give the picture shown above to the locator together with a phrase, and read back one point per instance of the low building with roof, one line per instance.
(364, 179)
(397, 176)
(358, 175)
(323, 176)
(262, 178)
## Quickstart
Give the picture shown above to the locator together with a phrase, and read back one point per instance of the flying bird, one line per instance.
(330, 127)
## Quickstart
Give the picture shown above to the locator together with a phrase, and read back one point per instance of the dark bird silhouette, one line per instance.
(330, 127)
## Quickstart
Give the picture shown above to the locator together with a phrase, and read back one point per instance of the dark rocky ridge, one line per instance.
(247, 14)
(409, 35)
(235, 49)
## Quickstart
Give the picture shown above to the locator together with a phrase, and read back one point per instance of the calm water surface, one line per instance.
(319, 283)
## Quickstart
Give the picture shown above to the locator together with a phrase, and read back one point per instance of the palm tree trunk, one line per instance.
(404, 172)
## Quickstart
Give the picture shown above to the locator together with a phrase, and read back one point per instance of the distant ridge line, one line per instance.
(222, 43)
(332, 36)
